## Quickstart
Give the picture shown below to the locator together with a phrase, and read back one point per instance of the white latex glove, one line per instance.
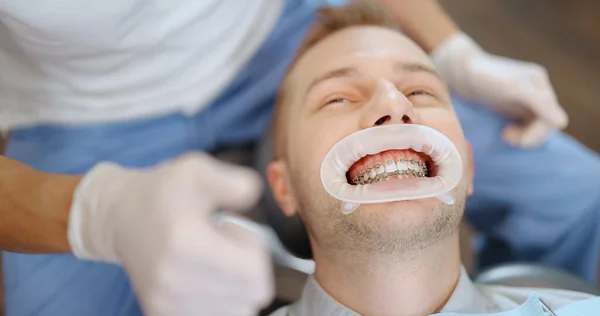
(519, 90)
(158, 223)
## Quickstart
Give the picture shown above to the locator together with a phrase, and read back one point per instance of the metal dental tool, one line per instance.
(546, 308)
(280, 255)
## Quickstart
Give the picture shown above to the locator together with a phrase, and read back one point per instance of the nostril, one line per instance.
(405, 119)
(382, 120)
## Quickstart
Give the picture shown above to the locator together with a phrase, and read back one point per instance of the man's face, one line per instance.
(355, 79)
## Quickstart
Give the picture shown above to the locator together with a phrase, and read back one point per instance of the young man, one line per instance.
(354, 72)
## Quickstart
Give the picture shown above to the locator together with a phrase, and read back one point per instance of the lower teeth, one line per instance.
(410, 173)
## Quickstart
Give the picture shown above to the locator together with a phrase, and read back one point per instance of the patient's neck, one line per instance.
(416, 283)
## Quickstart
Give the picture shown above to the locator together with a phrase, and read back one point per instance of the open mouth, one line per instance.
(395, 162)
(390, 164)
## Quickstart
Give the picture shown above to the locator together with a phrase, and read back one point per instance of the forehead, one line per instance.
(358, 46)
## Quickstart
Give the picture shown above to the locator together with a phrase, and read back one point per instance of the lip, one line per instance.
(381, 138)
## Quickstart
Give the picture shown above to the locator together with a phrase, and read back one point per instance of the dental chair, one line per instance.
(289, 243)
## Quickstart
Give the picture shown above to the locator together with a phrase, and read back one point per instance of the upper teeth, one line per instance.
(392, 170)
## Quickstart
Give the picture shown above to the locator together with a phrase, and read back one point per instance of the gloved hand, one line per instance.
(520, 90)
(158, 223)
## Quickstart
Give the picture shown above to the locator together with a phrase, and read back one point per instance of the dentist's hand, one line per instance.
(158, 224)
(517, 89)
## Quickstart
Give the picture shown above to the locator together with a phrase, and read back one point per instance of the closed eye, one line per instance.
(337, 100)
(417, 92)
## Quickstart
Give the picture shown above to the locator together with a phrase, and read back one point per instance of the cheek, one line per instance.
(319, 135)
(307, 153)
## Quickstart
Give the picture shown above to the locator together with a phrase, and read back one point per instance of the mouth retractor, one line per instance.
(372, 141)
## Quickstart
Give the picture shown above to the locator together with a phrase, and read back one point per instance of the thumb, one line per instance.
(236, 188)
(531, 135)
(223, 185)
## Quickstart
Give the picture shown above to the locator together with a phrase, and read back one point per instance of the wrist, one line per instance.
(451, 56)
(457, 44)
(425, 21)
(439, 37)
(93, 214)
(34, 210)
(61, 188)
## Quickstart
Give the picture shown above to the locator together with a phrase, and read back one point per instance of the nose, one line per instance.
(387, 106)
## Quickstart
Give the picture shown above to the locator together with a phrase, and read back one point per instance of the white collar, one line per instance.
(466, 298)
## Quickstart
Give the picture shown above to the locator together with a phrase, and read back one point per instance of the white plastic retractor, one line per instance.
(371, 141)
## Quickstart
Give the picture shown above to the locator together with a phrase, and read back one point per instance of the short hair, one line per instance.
(329, 21)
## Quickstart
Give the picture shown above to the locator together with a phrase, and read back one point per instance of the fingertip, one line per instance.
(245, 188)
(562, 119)
(231, 187)
(554, 114)
(546, 108)
(512, 134)
(536, 133)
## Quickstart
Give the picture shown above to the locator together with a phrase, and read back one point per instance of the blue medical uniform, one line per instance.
(543, 203)
(547, 194)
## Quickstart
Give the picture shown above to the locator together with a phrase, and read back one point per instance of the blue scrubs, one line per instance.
(543, 203)
(548, 194)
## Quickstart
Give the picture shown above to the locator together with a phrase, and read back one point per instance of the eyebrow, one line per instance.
(353, 72)
(337, 73)
(416, 67)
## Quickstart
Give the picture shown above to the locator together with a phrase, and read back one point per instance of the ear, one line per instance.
(279, 181)
(471, 166)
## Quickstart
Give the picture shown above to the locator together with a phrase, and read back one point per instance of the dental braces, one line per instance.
(380, 176)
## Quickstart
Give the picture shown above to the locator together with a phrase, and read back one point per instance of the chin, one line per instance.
(403, 207)
(400, 216)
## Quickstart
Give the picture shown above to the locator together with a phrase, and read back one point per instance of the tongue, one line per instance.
(370, 161)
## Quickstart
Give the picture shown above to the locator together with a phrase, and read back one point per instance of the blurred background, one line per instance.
(562, 35)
